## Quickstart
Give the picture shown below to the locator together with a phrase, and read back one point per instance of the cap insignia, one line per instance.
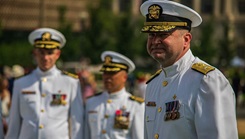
(154, 11)
(46, 36)
(111, 66)
(108, 60)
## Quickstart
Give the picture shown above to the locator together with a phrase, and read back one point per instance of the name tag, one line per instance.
(92, 112)
(151, 104)
(28, 92)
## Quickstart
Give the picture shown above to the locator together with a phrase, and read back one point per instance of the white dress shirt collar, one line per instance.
(178, 66)
(117, 94)
(50, 72)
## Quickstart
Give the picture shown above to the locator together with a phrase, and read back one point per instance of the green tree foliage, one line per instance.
(15, 49)
(8, 55)
(205, 47)
(109, 31)
(214, 47)
(130, 41)
(225, 52)
(100, 35)
(72, 49)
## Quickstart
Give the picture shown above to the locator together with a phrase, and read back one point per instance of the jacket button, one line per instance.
(41, 126)
(164, 83)
(156, 136)
(159, 109)
(103, 131)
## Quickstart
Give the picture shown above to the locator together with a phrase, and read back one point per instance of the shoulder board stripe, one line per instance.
(138, 99)
(70, 74)
(96, 94)
(154, 75)
(202, 67)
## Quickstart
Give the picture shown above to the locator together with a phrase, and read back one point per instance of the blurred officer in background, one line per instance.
(46, 103)
(1, 123)
(187, 98)
(114, 113)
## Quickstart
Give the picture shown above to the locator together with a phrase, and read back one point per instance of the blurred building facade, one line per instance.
(30, 14)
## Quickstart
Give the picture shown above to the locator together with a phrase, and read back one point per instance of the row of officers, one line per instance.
(186, 99)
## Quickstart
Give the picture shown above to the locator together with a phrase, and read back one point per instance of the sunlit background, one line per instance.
(93, 26)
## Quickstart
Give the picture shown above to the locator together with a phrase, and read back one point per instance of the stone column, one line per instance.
(228, 10)
(229, 13)
(135, 7)
(197, 6)
(115, 6)
(41, 13)
(217, 8)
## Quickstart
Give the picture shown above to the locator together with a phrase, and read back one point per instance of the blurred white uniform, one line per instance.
(1, 123)
(205, 103)
(43, 103)
(101, 112)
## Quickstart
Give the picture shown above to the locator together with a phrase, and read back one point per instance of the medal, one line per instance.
(178, 115)
(174, 115)
(121, 120)
(172, 110)
(58, 99)
(167, 116)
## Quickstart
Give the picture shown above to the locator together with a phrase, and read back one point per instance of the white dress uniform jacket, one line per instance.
(182, 103)
(45, 105)
(1, 123)
(102, 111)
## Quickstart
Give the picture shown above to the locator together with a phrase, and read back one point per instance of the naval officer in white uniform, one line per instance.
(1, 123)
(187, 98)
(114, 113)
(46, 103)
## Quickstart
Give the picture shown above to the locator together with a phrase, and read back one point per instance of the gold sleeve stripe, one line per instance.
(47, 42)
(116, 65)
(166, 23)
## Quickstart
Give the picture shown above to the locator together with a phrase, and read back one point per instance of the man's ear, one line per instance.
(126, 76)
(187, 39)
(58, 53)
(34, 51)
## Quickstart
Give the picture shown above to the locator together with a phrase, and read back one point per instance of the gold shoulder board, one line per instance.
(154, 75)
(202, 67)
(138, 99)
(70, 74)
(96, 94)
